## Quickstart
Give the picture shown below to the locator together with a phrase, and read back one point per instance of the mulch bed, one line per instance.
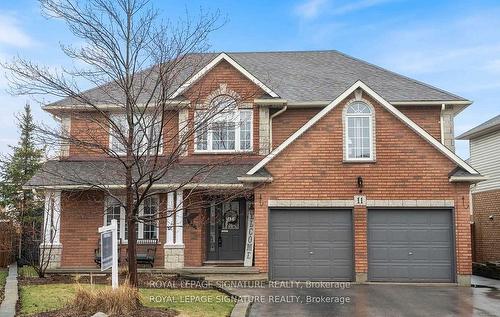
(144, 311)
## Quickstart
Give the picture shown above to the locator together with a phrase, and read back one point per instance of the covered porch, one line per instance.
(198, 230)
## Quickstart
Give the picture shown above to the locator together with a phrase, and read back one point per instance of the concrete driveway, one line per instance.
(371, 300)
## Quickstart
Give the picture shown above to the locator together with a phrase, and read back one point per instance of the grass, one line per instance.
(3, 278)
(188, 302)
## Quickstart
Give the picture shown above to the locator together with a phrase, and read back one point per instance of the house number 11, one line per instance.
(360, 200)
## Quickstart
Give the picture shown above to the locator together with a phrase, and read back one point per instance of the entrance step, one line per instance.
(223, 263)
(220, 270)
(230, 277)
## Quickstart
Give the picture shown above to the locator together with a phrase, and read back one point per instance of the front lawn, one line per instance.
(188, 302)
(3, 278)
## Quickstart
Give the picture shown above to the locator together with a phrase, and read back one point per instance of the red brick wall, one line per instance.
(290, 121)
(88, 127)
(91, 127)
(427, 117)
(223, 73)
(195, 236)
(81, 214)
(406, 167)
(284, 125)
(487, 232)
(360, 239)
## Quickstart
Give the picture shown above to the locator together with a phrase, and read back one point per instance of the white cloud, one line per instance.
(310, 9)
(352, 6)
(11, 33)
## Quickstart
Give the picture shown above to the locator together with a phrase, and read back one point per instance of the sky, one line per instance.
(453, 45)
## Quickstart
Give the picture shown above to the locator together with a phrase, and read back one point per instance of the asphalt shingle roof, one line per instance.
(305, 76)
(81, 173)
(484, 128)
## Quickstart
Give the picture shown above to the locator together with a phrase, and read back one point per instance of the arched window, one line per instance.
(223, 127)
(358, 132)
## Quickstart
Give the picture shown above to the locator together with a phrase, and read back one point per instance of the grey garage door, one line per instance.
(310, 244)
(410, 245)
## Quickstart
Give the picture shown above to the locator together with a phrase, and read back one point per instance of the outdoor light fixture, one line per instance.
(360, 183)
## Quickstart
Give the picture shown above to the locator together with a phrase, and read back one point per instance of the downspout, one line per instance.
(443, 108)
(271, 125)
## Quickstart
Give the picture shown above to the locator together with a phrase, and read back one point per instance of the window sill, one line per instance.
(369, 161)
(223, 152)
(126, 243)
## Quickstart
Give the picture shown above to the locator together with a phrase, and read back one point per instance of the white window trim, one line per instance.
(121, 224)
(237, 137)
(141, 224)
(111, 138)
(370, 127)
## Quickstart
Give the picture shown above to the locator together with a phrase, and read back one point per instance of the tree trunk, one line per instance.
(132, 234)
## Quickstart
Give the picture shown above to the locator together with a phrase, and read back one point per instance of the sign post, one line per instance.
(109, 250)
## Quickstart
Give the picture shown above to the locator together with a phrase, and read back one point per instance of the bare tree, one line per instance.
(136, 61)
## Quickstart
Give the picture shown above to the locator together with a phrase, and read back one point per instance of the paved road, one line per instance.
(374, 300)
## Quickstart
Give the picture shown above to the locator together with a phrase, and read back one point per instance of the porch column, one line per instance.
(51, 247)
(174, 245)
(170, 220)
(179, 219)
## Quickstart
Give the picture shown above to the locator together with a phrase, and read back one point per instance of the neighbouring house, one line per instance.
(350, 167)
(484, 147)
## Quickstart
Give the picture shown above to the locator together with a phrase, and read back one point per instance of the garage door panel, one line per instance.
(398, 235)
(321, 235)
(397, 253)
(412, 245)
(418, 235)
(442, 235)
(440, 219)
(281, 235)
(297, 235)
(320, 238)
(429, 273)
(439, 254)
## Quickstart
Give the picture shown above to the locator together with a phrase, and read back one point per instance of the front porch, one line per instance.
(200, 231)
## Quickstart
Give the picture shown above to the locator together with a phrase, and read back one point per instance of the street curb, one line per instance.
(242, 308)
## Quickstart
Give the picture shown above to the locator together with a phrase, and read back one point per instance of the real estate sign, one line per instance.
(109, 250)
(106, 250)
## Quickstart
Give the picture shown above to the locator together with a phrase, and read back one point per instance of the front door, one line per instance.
(226, 231)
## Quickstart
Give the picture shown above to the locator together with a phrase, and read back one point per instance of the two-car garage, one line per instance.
(404, 245)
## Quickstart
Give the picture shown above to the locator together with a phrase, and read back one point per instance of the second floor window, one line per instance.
(358, 132)
(147, 138)
(223, 127)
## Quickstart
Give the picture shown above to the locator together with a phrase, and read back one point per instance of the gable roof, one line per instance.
(484, 128)
(212, 64)
(301, 76)
(398, 114)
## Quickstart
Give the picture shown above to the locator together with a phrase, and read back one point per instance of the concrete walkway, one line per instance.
(8, 306)
(477, 280)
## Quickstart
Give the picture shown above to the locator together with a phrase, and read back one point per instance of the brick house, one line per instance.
(350, 174)
(484, 147)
